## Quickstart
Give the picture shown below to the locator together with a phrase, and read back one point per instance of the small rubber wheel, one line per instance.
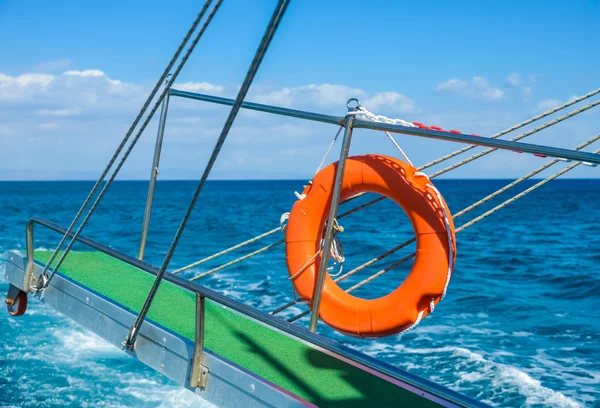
(19, 306)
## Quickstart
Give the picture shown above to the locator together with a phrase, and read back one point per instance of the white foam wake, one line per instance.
(494, 383)
(83, 362)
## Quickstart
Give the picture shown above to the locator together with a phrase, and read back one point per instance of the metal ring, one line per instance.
(350, 108)
(42, 282)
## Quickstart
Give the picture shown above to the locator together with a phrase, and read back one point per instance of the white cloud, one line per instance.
(59, 112)
(86, 73)
(200, 87)
(68, 125)
(23, 81)
(547, 104)
(486, 90)
(333, 96)
(514, 79)
(71, 89)
(526, 93)
(49, 126)
(390, 100)
(87, 112)
(313, 94)
(477, 88)
(452, 85)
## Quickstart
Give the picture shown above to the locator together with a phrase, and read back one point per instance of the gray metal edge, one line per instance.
(427, 133)
(428, 389)
(482, 141)
(159, 348)
(294, 113)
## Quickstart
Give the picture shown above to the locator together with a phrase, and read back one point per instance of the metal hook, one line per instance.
(350, 108)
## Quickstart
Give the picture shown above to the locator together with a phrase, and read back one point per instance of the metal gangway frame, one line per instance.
(189, 364)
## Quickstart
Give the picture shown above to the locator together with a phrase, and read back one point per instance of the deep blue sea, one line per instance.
(520, 325)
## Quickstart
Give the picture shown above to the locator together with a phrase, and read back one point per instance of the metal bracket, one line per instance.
(202, 379)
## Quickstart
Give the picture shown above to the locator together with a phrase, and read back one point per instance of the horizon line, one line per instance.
(287, 179)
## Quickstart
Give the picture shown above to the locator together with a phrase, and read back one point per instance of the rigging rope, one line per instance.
(515, 127)
(521, 136)
(492, 149)
(135, 139)
(226, 251)
(237, 260)
(523, 193)
(329, 150)
(258, 57)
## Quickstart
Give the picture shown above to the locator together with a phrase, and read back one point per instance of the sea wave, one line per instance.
(495, 383)
(87, 371)
(522, 297)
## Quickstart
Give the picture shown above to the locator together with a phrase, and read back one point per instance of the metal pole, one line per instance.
(30, 256)
(277, 110)
(153, 174)
(199, 373)
(335, 200)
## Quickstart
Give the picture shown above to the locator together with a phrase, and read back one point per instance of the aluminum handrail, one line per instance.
(277, 110)
(326, 345)
(419, 132)
(555, 152)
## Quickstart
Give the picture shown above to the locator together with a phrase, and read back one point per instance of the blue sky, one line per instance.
(74, 74)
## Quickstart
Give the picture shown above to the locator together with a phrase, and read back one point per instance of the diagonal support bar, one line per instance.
(335, 201)
(153, 176)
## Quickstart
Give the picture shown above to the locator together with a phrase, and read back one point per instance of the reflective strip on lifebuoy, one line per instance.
(425, 285)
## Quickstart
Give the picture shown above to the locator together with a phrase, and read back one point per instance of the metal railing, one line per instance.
(349, 122)
(426, 133)
(199, 372)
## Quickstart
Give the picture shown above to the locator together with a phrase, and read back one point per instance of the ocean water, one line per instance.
(520, 325)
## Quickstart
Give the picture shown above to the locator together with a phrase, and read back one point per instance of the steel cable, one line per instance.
(258, 57)
(131, 146)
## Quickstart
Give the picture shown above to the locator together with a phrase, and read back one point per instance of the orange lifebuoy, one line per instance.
(435, 255)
